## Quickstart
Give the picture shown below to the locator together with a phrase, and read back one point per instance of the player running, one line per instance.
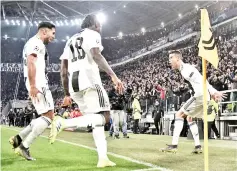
(194, 106)
(35, 56)
(82, 59)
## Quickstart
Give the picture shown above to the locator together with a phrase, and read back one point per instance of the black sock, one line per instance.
(19, 139)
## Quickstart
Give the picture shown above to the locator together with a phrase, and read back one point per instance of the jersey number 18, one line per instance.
(79, 53)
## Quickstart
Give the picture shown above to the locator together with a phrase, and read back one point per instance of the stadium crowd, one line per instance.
(22, 117)
(150, 76)
(117, 48)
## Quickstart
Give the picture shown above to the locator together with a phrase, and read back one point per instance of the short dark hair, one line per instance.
(46, 25)
(175, 52)
(89, 21)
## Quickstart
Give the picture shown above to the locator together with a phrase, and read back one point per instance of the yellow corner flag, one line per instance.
(208, 52)
(207, 44)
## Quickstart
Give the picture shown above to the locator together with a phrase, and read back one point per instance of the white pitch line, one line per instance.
(149, 169)
(152, 166)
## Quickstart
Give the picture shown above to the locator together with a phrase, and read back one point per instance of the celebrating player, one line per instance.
(35, 56)
(82, 59)
(194, 106)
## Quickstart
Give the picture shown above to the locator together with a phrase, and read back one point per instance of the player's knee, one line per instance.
(49, 114)
(106, 116)
(180, 114)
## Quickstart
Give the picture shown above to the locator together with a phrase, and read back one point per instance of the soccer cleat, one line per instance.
(170, 149)
(105, 163)
(197, 149)
(56, 128)
(116, 137)
(15, 141)
(125, 136)
(24, 152)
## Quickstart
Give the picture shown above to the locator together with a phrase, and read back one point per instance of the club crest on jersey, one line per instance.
(97, 41)
(36, 48)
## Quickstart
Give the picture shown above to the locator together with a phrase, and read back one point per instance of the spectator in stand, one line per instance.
(75, 113)
(3, 119)
(212, 112)
(22, 117)
(141, 74)
(233, 79)
(11, 116)
(157, 114)
(136, 113)
(160, 88)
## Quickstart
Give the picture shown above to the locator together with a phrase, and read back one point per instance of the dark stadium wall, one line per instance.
(21, 31)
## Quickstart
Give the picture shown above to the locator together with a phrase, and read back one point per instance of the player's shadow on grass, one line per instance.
(76, 164)
(68, 162)
(6, 161)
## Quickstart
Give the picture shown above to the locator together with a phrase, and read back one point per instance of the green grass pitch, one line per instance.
(139, 152)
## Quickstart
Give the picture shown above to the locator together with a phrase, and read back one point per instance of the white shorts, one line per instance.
(193, 107)
(45, 101)
(92, 100)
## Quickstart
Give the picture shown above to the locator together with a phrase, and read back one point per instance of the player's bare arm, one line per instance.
(103, 64)
(31, 74)
(31, 69)
(217, 95)
(64, 76)
(64, 79)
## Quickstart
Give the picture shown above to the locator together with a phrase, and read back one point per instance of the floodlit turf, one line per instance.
(61, 156)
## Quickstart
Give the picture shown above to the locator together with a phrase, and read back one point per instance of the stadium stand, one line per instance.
(147, 73)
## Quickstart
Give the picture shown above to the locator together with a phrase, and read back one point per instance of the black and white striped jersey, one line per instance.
(83, 71)
(194, 77)
(35, 46)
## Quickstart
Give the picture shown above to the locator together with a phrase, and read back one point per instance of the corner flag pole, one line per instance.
(208, 52)
(206, 160)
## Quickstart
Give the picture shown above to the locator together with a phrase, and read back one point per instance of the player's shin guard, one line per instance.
(39, 126)
(24, 133)
(178, 126)
(84, 121)
(100, 142)
(194, 129)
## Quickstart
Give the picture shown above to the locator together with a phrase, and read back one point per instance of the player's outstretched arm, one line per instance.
(64, 78)
(103, 64)
(217, 95)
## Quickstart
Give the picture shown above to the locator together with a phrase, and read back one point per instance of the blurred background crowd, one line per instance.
(149, 76)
